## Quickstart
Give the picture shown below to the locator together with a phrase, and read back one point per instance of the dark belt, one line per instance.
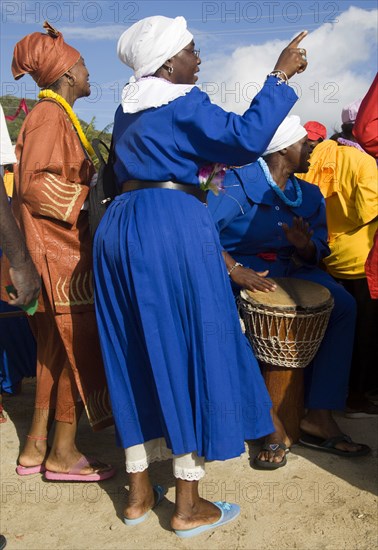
(134, 185)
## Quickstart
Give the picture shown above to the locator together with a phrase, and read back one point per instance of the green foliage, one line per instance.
(104, 135)
(90, 131)
(10, 104)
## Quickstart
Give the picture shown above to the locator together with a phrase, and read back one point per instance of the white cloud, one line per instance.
(342, 63)
(103, 32)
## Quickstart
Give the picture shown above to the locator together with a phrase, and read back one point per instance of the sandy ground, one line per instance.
(318, 501)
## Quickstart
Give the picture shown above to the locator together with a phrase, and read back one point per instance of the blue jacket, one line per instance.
(249, 217)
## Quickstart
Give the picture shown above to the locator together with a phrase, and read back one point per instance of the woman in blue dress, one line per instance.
(272, 223)
(183, 381)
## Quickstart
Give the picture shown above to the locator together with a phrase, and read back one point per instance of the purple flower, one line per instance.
(211, 177)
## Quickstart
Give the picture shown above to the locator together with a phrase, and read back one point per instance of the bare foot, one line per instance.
(202, 512)
(59, 462)
(320, 423)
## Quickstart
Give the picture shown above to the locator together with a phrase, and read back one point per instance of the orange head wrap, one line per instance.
(46, 57)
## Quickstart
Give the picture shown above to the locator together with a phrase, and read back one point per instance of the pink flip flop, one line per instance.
(28, 470)
(74, 473)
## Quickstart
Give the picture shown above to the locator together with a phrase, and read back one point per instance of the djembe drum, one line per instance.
(286, 328)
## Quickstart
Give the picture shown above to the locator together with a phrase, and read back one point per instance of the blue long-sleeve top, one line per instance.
(173, 141)
(249, 217)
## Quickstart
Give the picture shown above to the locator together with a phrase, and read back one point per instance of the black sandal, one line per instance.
(329, 445)
(266, 464)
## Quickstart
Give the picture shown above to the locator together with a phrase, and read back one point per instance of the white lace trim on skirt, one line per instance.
(189, 467)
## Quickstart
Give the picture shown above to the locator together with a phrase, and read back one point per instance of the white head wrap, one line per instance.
(147, 44)
(288, 132)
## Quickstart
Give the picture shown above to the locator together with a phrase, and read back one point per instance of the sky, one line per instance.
(239, 41)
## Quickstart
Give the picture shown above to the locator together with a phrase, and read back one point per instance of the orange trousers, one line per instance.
(69, 367)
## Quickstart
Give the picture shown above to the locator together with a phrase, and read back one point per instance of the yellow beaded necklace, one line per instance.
(73, 118)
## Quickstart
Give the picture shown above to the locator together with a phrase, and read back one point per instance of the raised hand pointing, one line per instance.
(293, 59)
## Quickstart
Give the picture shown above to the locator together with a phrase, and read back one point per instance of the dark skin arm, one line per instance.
(291, 61)
(23, 274)
(248, 278)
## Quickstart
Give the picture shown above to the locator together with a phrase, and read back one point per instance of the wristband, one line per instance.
(236, 264)
(281, 76)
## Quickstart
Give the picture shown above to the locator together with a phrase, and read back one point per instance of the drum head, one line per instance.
(291, 294)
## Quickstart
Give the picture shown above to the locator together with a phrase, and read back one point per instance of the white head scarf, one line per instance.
(147, 44)
(288, 132)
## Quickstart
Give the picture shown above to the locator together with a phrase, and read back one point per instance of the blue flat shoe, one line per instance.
(159, 493)
(229, 512)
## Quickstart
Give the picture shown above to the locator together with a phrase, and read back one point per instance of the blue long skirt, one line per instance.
(177, 363)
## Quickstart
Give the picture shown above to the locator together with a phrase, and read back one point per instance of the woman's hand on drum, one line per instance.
(252, 280)
(247, 278)
(293, 59)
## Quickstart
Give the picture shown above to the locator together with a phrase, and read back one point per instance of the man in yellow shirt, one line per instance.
(347, 177)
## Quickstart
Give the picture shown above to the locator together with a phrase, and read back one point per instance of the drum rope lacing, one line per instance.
(287, 339)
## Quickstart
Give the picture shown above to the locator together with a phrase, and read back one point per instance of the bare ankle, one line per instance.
(139, 501)
(194, 514)
(33, 453)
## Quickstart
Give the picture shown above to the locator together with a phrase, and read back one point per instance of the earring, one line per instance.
(170, 70)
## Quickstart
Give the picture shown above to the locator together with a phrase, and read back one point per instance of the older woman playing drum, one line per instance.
(270, 222)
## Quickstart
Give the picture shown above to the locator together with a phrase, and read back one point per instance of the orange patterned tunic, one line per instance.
(51, 184)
